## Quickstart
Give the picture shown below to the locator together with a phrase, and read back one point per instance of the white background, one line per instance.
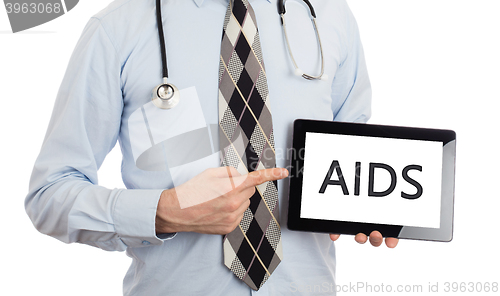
(333, 204)
(433, 63)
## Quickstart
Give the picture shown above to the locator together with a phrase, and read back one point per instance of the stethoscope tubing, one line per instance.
(304, 75)
(166, 96)
(282, 11)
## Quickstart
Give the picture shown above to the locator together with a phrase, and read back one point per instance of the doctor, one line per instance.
(105, 97)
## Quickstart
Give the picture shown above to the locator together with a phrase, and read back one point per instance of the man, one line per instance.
(170, 218)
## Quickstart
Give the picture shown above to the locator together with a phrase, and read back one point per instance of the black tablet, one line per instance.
(348, 178)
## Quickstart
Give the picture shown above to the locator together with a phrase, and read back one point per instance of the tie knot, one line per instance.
(240, 9)
(245, 3)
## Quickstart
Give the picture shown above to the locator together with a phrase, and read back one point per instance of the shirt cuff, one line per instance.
(134, 217)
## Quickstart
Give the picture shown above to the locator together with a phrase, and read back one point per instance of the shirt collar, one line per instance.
(200, 2)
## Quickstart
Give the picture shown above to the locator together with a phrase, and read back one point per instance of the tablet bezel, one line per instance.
(448, 137)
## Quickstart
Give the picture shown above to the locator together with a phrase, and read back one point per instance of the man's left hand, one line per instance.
(376, 239)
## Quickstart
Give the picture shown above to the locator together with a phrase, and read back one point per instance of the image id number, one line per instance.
(33, 7)
(471, 287)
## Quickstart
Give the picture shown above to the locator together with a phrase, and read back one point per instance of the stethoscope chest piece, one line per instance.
(165, 96)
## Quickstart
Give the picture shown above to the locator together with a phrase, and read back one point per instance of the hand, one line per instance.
(212, 202)
(376, 239)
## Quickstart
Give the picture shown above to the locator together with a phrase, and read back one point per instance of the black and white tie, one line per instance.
(253, 250)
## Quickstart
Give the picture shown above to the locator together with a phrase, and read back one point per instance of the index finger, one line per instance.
(261, 176)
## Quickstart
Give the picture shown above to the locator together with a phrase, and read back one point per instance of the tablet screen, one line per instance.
(372, 180)
(350, 178)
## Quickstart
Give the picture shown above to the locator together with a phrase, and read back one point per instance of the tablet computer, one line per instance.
(349, 178)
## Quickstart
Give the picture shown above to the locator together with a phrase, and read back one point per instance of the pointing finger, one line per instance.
(261, 176)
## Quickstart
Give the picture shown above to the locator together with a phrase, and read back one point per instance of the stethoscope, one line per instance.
(298, 71)
(166, 95)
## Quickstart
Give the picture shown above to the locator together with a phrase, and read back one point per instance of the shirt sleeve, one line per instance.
(64, 199)
(351, 88)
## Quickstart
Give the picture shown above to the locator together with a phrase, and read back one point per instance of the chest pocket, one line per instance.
(178, 140)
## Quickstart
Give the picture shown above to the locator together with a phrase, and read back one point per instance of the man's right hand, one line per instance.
(212, 202)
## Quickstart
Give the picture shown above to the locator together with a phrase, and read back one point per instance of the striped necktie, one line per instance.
(253, 250)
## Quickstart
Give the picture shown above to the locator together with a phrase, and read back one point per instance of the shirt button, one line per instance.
(145, 242)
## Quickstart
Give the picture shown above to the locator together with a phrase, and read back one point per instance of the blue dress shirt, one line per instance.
(105, 97)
